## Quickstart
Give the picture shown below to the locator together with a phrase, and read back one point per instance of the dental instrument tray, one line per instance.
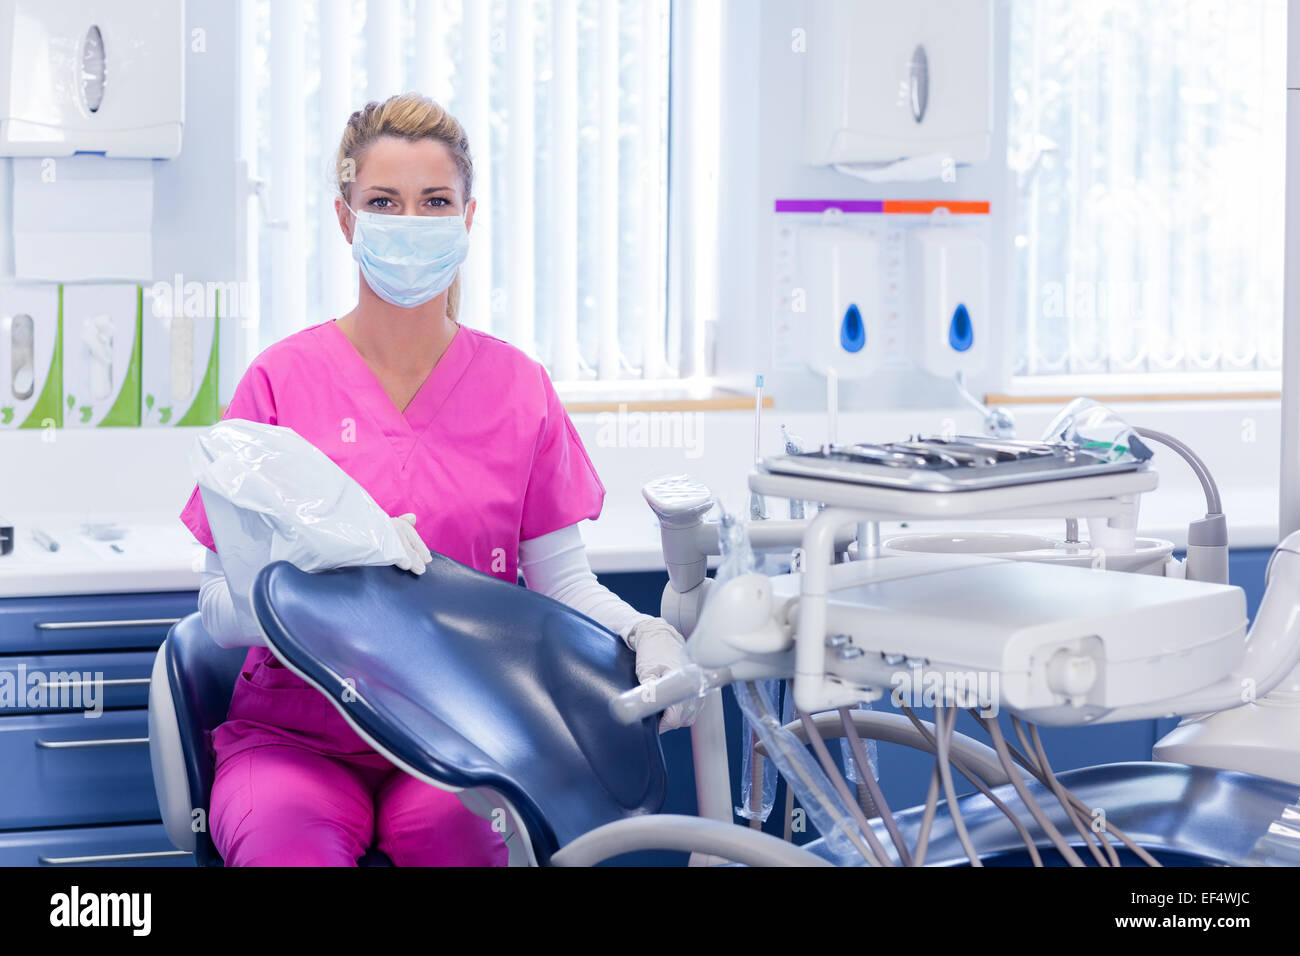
(962, 463)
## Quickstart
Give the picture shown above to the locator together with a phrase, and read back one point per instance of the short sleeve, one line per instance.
(253, 401)
(563, 487)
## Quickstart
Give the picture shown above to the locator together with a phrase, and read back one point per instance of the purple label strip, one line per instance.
(821, 205)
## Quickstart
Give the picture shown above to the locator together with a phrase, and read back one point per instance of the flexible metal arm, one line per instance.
(997, 420)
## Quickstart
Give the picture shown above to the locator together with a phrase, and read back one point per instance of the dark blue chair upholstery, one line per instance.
(474, 682)
(202, 677)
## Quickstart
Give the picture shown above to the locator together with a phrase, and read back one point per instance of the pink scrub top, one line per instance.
(484, 456)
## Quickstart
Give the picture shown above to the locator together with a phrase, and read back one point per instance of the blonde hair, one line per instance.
(408, 116)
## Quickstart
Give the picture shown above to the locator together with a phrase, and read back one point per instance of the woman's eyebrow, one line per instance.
(425, 191)
(428, 189)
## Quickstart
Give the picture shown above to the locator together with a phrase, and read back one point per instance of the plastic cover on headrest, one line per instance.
(271, 495)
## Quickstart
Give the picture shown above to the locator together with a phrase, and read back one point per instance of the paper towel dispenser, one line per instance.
(885, 80)
(96, 77)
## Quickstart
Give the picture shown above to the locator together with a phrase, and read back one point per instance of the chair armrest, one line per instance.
(167, 758)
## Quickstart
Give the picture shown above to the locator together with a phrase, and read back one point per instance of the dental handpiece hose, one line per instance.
(1207, 538)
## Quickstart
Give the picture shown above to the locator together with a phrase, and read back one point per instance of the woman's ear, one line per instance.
(469, 213)
(345, 218)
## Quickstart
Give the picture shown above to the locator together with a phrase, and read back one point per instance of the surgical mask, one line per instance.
(408, 260)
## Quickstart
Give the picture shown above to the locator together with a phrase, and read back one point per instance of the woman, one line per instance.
(452, 430)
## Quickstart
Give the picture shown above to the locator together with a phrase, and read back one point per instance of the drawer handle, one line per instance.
(115, 682)
(81, 744)
(111, 857)
(78, 625)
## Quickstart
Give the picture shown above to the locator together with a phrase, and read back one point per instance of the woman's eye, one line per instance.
(379, 199)
(438, 201)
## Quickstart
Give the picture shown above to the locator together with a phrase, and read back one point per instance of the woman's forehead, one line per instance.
(423, 163)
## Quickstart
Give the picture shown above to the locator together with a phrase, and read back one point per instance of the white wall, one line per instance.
(198, 198)
(762, 161)
(197, 233)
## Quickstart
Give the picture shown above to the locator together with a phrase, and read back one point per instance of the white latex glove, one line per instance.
(660, 649)
(417, 556)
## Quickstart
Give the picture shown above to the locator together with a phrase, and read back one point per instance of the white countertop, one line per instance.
(152, 556)
(139, 479)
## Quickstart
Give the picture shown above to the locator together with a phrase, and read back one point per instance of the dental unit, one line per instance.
(1048, 643)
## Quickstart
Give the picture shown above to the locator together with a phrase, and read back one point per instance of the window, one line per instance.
(566, 106)
(1146, 140)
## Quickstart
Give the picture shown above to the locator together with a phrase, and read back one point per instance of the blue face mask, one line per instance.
(408, 260)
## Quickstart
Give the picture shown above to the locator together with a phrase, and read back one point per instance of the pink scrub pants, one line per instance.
(295, 786)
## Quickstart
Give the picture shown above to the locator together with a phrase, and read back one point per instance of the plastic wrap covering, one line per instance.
(802, 773)
(873, 755)
(270, 495)
(737, 557)
(1096, 429)
(757, 776)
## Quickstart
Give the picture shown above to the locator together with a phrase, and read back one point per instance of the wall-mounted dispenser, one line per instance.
(949, 300)
(101, 355)
(98, 77)
(31, 363)
(885, 80)
(843, 327)
(179, 367)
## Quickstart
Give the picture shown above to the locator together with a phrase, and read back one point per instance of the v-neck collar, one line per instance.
(427, 401)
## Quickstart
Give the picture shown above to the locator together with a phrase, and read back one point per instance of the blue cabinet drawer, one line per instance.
(90, 621)
(73, 769)
(81, 682)
(134, 845)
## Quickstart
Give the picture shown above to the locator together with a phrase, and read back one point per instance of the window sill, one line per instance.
(1151, 387)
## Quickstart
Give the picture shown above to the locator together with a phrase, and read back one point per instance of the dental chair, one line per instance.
(189, 694)
(469, 683)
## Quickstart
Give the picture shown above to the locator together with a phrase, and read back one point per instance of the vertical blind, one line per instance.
(1147, 138)
(566, 106)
